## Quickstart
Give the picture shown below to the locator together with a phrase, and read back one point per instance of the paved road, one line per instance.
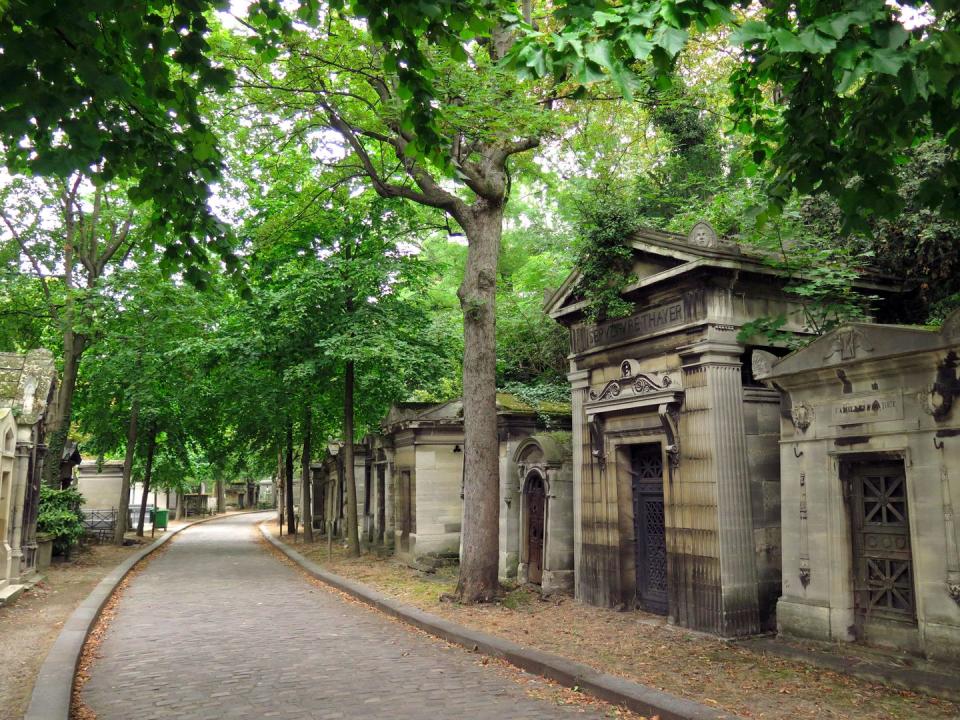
(217, 627)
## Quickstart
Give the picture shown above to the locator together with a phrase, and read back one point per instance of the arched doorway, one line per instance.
(536, 502)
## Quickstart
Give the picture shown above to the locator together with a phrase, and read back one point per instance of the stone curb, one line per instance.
(619, 691)
(938, 685)
(53, 688)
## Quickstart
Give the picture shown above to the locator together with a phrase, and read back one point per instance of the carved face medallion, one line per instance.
(802, 415)
(703, 235)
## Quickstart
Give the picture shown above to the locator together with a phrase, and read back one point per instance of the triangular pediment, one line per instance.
(660, 256)
(418, 412)
(650, 258)
(856, 342)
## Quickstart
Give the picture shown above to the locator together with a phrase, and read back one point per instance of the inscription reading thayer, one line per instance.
(643, 323)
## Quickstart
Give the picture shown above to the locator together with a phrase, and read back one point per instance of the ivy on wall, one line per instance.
(607, 218)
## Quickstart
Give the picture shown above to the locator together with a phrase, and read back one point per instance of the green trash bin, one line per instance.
(160, 519)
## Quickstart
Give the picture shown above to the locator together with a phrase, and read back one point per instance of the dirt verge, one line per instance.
(644, 648)
(29, 627)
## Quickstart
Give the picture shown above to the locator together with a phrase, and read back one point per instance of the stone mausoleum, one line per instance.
(27, 393)
(676, 481)
(420, 451)
(536, 524)
(870, 461)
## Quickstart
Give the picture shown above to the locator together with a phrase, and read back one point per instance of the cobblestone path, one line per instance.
(218, 628)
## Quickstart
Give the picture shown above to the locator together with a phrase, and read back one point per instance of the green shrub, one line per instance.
(59, 516)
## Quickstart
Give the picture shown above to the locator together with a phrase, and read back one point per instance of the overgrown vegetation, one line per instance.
(59, 517)
(607, 217)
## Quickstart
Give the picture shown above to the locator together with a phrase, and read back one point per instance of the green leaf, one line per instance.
(601, 19)
(670, 39)
(951, 45)
(639, 45)
(538, 62)
(888, 61)
(786, 41)
(816, 43)
(750, 31)
(601, 53)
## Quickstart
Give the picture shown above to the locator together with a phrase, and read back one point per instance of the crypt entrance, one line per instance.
(535, 507)
(538, 505)
(649, 527)
(883, 574)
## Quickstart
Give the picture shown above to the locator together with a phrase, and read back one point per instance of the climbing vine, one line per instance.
(607, 218)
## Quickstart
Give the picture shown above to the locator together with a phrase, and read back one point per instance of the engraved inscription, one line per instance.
(872, 408)
(638, 325)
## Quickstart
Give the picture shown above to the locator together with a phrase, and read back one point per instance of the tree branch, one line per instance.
(34, 263)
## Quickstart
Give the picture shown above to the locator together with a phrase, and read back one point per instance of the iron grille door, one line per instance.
(649, 527)
(884, 564)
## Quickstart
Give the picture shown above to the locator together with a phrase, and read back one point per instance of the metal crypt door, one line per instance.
(381, 502)
(536, 505)
(649, 528)
(883, 564)
(406, 510)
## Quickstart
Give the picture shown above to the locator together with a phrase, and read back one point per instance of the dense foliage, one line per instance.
(400, 184)
(59, 517)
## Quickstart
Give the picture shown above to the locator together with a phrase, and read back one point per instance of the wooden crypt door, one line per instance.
(883, 563)
(536, 518)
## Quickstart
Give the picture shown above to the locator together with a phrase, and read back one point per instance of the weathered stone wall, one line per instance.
(100, 486)
(762, 424)
(8, 457)
(513, 430)
(439, 507)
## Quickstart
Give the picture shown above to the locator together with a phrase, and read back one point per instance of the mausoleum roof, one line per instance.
(860, 342)
(678, 256)
(26, 381)
(451, 412)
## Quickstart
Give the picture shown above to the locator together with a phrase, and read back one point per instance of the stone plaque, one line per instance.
(867, 409)
(638, 325)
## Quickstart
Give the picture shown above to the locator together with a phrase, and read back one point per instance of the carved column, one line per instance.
(21, 478)
(952, 543)
(580, 384)
(723, 440)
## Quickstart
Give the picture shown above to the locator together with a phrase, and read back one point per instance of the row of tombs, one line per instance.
(732, 486)
(28, 384)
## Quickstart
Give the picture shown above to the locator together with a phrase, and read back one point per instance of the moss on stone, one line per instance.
(510, 402)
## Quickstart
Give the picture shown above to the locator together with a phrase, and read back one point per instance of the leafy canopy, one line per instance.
(117, 87)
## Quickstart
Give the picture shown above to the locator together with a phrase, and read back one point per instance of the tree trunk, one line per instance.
(353, 535)
(281, 497)
(148, 470)
(124, 510)
(58, 426)
(180, 504)
(221, 495)
(481, 477)
(288, 478)
(306, 510)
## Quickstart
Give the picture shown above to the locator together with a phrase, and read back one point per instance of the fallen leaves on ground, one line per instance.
(644, 648)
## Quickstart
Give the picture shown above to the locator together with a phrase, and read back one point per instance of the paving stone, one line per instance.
(216, 627)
